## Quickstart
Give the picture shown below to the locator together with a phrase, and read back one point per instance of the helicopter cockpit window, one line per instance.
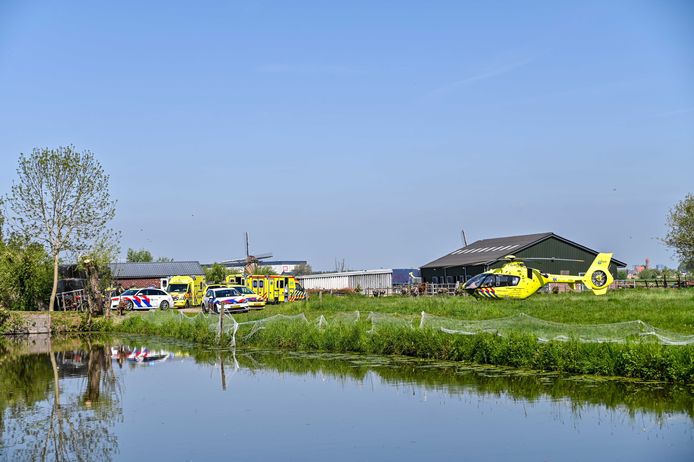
(489, 281)
(476, 281)
(504, 280)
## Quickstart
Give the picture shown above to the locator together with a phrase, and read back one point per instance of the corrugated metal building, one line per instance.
(463, 263)
(365, 280)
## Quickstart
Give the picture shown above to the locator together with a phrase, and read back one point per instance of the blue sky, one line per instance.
(369, 131)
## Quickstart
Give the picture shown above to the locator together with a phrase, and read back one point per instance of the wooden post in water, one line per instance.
(221, 370)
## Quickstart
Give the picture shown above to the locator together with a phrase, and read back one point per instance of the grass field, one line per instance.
(666, 309)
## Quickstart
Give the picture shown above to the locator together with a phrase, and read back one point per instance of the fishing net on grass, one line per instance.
(545, 331)
(260, 324)
(343, 318)
(390, 320)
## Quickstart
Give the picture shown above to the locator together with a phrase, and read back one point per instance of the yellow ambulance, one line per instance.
(186, 291)
(276, 288)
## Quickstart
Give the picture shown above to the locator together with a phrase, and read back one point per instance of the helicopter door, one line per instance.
(530, 273)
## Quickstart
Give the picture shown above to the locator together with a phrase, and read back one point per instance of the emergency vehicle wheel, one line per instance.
(128, 305)
(215, 309)
(164, 305)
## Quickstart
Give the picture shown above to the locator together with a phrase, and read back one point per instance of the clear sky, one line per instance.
(369, 131)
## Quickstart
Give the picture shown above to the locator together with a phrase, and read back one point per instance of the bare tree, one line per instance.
(340, 265)
(61, 199)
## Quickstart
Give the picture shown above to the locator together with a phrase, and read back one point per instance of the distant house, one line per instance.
(151, 274)
(463, 263)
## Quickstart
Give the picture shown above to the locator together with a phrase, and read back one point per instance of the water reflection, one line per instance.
(63, 400)
(49, 410)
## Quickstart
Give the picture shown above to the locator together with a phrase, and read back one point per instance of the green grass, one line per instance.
(665, 309)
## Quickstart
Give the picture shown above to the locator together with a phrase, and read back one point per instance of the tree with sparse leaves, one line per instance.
(139, 256)
(301, 269)
(145, 256)
(216, 273)
(61, 199)
(680, 224)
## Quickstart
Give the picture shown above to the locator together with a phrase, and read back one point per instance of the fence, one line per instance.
(662, 283)
(71, 300)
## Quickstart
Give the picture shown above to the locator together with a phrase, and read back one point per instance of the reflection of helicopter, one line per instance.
(515, 280)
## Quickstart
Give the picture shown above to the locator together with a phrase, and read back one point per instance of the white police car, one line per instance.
(232, 299)
(143, 299)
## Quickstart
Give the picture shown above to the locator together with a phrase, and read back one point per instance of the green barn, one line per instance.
(463, 263)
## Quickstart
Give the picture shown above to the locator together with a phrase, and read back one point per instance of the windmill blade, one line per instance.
(263, 256)
(238, 261)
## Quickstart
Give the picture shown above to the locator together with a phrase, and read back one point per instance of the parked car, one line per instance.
(232, 299)
(255, 301)
(214, 285)
(144, 299)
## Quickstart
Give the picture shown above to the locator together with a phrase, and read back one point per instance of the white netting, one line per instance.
(545, 331)
(343, 318)
(385, 319)
(263, 323)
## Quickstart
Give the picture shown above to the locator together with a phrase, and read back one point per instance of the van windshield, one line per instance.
(178, 288)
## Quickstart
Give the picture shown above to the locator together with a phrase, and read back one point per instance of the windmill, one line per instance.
(250, 262)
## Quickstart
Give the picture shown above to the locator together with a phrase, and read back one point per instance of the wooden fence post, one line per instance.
(221, 321)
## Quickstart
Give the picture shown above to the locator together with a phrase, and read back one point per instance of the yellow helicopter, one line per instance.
(517, 281)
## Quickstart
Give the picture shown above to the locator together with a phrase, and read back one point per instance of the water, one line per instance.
(184, 405)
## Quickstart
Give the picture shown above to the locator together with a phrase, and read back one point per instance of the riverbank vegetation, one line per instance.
(345, 331)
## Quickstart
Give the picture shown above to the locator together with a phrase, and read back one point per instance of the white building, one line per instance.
(366, 280)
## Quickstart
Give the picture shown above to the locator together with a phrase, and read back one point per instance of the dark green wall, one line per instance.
(554, 247)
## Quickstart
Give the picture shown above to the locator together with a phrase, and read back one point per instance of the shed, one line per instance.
(150, 274)
(463, 263)
(366, 280)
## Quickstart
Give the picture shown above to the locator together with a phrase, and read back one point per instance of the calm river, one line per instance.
(136, 400)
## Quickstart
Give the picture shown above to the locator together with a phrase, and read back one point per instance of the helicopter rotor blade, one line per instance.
(551, 259)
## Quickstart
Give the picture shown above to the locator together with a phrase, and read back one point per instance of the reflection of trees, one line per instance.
(73, 422)
(454, 378)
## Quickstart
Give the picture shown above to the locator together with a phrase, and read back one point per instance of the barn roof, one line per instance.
(155, 269)
(487, 251)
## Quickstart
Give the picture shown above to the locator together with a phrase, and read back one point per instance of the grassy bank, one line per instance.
(666, 308)
(672, 310)
(634, 359)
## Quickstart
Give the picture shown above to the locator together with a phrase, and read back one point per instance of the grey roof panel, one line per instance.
(488, 250)
(480, 252)
(155, 269)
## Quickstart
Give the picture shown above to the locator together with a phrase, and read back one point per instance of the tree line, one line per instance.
(59, 208)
